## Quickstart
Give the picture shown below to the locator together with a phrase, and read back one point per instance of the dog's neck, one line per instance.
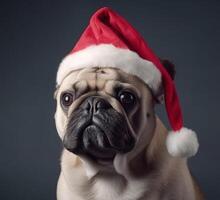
(149, 171)
(143, 163)
(136, 163)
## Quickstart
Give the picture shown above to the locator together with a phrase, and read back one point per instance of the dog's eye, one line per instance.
(67, 99)
(126, 98)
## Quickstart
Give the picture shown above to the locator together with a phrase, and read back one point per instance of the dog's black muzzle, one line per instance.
(98, 130)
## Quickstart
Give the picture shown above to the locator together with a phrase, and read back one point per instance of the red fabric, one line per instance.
(107, 27)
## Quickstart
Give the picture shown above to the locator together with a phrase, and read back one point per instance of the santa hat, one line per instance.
(110, 41)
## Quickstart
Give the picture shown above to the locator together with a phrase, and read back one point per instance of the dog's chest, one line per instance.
(116, 188)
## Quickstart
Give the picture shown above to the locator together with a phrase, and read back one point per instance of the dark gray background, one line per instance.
(36, 35)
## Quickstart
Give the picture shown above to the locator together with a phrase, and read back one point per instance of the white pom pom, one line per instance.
(182, 143)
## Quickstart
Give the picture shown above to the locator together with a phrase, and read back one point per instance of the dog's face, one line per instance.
(104, 112)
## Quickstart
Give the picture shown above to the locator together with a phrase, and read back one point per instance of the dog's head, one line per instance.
(104, 112)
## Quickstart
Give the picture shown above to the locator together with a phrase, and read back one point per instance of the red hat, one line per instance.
(110, 41)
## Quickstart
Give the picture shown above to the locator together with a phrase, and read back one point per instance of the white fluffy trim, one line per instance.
(107, 55)
(182, 143)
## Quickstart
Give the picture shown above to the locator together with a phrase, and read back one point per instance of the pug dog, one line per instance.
(114, 143)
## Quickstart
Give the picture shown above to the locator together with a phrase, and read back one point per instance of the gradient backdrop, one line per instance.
(36, 35)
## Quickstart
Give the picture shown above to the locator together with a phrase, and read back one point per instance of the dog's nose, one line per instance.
(94, 104)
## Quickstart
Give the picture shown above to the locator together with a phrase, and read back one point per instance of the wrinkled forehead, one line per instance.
(92, 74)
(98, 78)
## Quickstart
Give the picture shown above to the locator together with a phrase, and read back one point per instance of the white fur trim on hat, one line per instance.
(107, 55)
(182, 143)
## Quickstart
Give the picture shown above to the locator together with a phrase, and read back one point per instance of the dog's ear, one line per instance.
(169, 66)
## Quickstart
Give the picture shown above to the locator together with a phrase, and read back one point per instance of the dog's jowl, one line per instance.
(115, 146)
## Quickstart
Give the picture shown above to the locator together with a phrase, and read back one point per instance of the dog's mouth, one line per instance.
(96, 143)
(100, 136)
